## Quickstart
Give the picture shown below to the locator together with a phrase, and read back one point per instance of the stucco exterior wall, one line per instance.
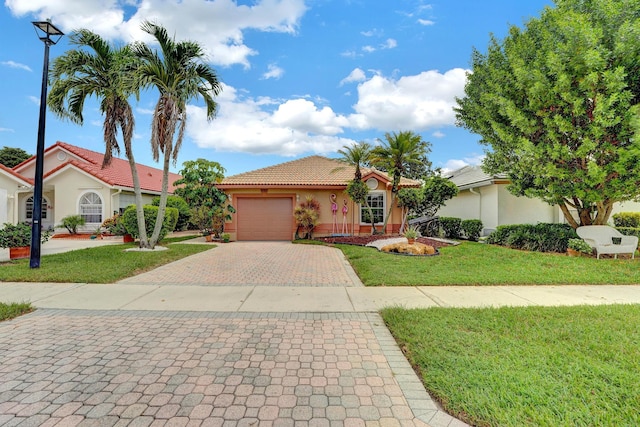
(524, 210)
(8, 199)
(70, 186)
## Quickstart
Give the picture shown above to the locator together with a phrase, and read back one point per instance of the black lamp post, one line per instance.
(50, 35)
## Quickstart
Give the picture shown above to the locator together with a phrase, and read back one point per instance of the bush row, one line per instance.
(627, 219)
(541, 237)
(130, 220)
(455, 228)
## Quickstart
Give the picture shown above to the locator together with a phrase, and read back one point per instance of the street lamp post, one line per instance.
(50, 35)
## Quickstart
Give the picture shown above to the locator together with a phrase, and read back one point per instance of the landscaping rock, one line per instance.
(412, 249)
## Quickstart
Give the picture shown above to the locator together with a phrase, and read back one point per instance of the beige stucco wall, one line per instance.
(8, 203)
(326, 220)
(52, 159)
(70, 186)
(494, 206)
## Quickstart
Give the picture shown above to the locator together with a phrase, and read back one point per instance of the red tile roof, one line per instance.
(117, 174)
(312, 171)
(14, 174)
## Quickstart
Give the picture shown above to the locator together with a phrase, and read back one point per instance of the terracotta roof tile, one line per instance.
(312, 171)
(15, 174)
(118, 173)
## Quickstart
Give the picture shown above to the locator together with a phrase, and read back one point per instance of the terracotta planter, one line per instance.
(573, 252)
(208, 238)
(20, 252)
(128, 238)
(411, 241)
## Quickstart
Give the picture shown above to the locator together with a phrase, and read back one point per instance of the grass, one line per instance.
(9, 311)
(534, 366)
(103, 264)
(481, 264)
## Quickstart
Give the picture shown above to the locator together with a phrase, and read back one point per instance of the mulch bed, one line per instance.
(364, 240)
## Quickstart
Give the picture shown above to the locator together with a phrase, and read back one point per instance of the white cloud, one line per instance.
(274, 72)
(412, 102)
(267, 126)
(357, 75)
(216, 24)
(438, 134)
(390, 44)
(426, 22)
(34, 99)
(368, 49)
(6, 130)
(13, 64)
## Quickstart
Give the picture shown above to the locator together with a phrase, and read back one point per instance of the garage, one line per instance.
(265, 218)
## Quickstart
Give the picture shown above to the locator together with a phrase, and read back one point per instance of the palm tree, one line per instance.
(180, 75)
(106, 72)
(396, 154)
(358, 155)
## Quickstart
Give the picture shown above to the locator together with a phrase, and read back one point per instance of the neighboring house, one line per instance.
(74, 183)
(485, 197)
(265, 199)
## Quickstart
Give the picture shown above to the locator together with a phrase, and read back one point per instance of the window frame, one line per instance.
(375, 193)
(28, 210)
(81, 205)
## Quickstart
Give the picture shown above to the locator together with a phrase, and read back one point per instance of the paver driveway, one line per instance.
(183, 368)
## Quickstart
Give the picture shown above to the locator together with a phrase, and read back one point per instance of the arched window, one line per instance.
(29, 209)
(91, 208)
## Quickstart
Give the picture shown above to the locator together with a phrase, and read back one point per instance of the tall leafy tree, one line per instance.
(358, 156)
(11, 157)
(396, 154)
(556, 103)
(107, 72)
(180, 75)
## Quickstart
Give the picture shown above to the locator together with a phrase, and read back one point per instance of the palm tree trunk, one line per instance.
(163, 198)
(142, 229)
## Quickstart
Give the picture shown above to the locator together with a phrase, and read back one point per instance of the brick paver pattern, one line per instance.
(256, 264)
(68, 368)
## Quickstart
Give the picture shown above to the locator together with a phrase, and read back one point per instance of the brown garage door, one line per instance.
(265, 218)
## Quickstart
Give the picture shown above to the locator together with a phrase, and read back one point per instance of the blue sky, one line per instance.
(300, 77)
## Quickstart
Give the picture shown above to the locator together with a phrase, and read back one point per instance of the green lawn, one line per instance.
(533, 366)
(481, 264)
(103, 264)
(9, 311)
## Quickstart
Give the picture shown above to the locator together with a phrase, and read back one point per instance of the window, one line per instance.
(30, 208)
(376, 202)
(91, 208)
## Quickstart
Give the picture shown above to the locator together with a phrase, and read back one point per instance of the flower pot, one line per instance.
(573, 252)
(411, 241)
(20, 252)
(128, 238)
(208, 238)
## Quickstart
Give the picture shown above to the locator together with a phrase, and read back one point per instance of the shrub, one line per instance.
(541, 237)
(452, 227)
(72, 222)
(19, 235)
(472, 229)
(580, 246)
(627, 219)
(629, 231)
(307, 215)
(114, 225)
(184, 211)
(130, 220)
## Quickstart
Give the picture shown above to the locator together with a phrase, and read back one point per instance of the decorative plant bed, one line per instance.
(364, 240)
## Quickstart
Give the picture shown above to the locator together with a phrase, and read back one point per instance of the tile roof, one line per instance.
(117, 174)
(473, 176)
(14, 174)
(311, 171)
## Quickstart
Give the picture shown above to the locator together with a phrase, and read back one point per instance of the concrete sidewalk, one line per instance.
(298, 299)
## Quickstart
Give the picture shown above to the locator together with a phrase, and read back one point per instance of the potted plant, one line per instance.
(577, 247)
(226, 237)
(411, 233)
(17, 237)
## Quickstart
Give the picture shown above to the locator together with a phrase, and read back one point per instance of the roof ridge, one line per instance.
(259, 170)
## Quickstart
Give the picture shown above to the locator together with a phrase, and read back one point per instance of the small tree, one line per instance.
(72, 222)
(436, 191)
(307, 215)
(11, 157)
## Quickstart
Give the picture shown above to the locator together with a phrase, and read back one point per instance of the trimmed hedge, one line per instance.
(130, 220)
(541, 237)
(627, 219)
(472, 229)
(452, 227)
(629, 231)
(184, 211)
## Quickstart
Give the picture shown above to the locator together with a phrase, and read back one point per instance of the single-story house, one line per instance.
(74, 183)
(485, 197)
(266, 198)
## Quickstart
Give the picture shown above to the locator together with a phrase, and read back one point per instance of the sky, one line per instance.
(299, 77)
